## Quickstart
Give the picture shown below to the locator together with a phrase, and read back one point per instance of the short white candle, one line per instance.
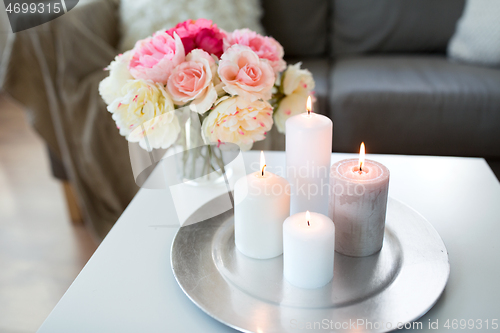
(308, 249)
(358, 205)
(308, 154)
(262, 203)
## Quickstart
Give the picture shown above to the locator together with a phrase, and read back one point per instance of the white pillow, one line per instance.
(141, 18)
(477, 37)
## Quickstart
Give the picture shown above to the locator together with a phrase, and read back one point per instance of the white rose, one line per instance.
(238, 121)
(145, 110)
(297, 80)
(110, 88)
(289, 106)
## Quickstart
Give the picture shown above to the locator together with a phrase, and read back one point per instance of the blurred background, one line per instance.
(415, 77)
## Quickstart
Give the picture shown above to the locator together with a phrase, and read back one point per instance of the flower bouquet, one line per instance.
(199, 86)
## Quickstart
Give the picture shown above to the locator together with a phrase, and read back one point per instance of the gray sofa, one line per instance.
(383, 77)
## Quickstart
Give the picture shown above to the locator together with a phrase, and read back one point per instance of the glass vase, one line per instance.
(199, 164)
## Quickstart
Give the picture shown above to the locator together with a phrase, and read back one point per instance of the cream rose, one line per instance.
(244, 74)
(110, 88)
(159, 132)
(192, 80)
(139, 110)
(237, 121)
(290, 105)
(297, 80)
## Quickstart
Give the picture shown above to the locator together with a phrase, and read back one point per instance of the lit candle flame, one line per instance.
(308, 218)
(262, 162)
(361, 156)
(309, 105)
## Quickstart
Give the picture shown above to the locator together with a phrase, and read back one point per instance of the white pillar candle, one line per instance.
(358, 205)
(262, 203)
(308, 154)
(308, 249)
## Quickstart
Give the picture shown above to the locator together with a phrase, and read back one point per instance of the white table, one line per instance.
(128, 286)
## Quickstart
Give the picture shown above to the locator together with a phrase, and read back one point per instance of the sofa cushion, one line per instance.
(477, 39)
(300, 26)
(415, 105)
(364, 26)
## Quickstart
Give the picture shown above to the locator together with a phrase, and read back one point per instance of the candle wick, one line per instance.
(263, 170)
(308, 223)
(308, 112)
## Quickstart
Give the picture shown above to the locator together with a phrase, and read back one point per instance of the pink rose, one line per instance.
(265, 47)
(244, 74)
(154, 57)
(192, 81)
(201, 34)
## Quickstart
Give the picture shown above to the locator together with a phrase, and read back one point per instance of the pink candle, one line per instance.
(358, 204)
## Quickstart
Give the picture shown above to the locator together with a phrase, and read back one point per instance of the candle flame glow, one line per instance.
(309, 105)
(308, 218)
(361, 156)
(262, 162)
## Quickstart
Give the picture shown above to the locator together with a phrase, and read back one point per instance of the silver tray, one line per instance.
(372, 294)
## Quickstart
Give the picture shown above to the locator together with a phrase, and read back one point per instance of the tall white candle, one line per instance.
(358, 205)
(308, 154)
(308, 249)
(262, 203)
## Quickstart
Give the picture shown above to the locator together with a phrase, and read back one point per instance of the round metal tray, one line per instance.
(371, 294)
